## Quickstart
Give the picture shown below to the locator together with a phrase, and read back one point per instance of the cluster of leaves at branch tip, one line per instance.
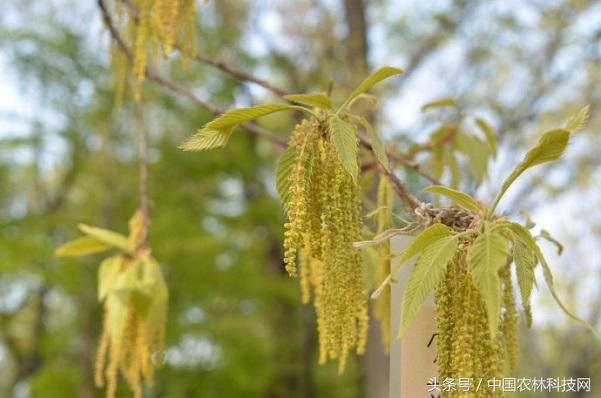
(149, 27)
(463, 136)
(470, 273)
(134, 294)
(317, 180)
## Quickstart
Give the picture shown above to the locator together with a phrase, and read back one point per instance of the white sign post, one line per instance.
(412, 358)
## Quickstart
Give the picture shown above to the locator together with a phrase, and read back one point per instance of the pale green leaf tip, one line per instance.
(59, 252)
(83, 227)
(397, 71)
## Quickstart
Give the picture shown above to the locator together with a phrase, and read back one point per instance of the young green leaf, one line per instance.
(376, 77)
(453, 166)
(107, 274)
(216, 133)
(370, 99)
(477, 152)
(460, 198)
(550, 284)
(426, 275)
(105, 236)
(158, 310)
(377, 145)
(579, 120)
(344, 138)
(550, 147)
(489, 134)
(440, 103)
(525, 264)
(526, 237)
(81, 247)
(485, 256)
(547, 236)
(426, 238)
(283, 173)
(312, 100)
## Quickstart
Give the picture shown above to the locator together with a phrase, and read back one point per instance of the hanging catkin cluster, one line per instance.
(384, 221)
(465, 347)
(150, 27)
(134, 294)
(324, 213)
(135, 305)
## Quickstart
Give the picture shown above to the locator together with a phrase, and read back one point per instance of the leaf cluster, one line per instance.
(489, 244)
(455, 140)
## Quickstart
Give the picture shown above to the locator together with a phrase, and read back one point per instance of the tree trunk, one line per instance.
(376, 362)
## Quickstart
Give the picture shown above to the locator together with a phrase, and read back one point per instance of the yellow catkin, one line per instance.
(465, 346)
(384, 218)
(324, 219)
(141, 48)
(133, 327)
(119, 65)
(137, 231)
(509, 323)
(146, 26)
(188, 34)
(103, 346)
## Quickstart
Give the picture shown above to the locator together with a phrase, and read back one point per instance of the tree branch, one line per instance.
(396, 183)
(176, 89)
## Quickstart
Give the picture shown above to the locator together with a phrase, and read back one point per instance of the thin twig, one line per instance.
(400, 189)
(403, 161)
(143, 170)
(237, 74)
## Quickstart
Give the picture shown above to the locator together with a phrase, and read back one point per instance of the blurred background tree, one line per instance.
(236, 326)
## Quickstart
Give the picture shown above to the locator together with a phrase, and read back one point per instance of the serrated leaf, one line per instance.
(376, 77)
(485, 256)
(453, 166)
(477, 152)
(345, 142)
(550, 147)
(157, 312)
(283, 173)
(116, 314)
(489, 134)
(370, 99)
(107, 274)
(460, 198)
(424, 239)
(525, 263)
(426, 275)
(207, 138)
(216, 133)
(81, 247)
(439, 103)
(377, 145)
(520, 232)
(312, 100)
(437, 161)
(579, 120)
(105, 236)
